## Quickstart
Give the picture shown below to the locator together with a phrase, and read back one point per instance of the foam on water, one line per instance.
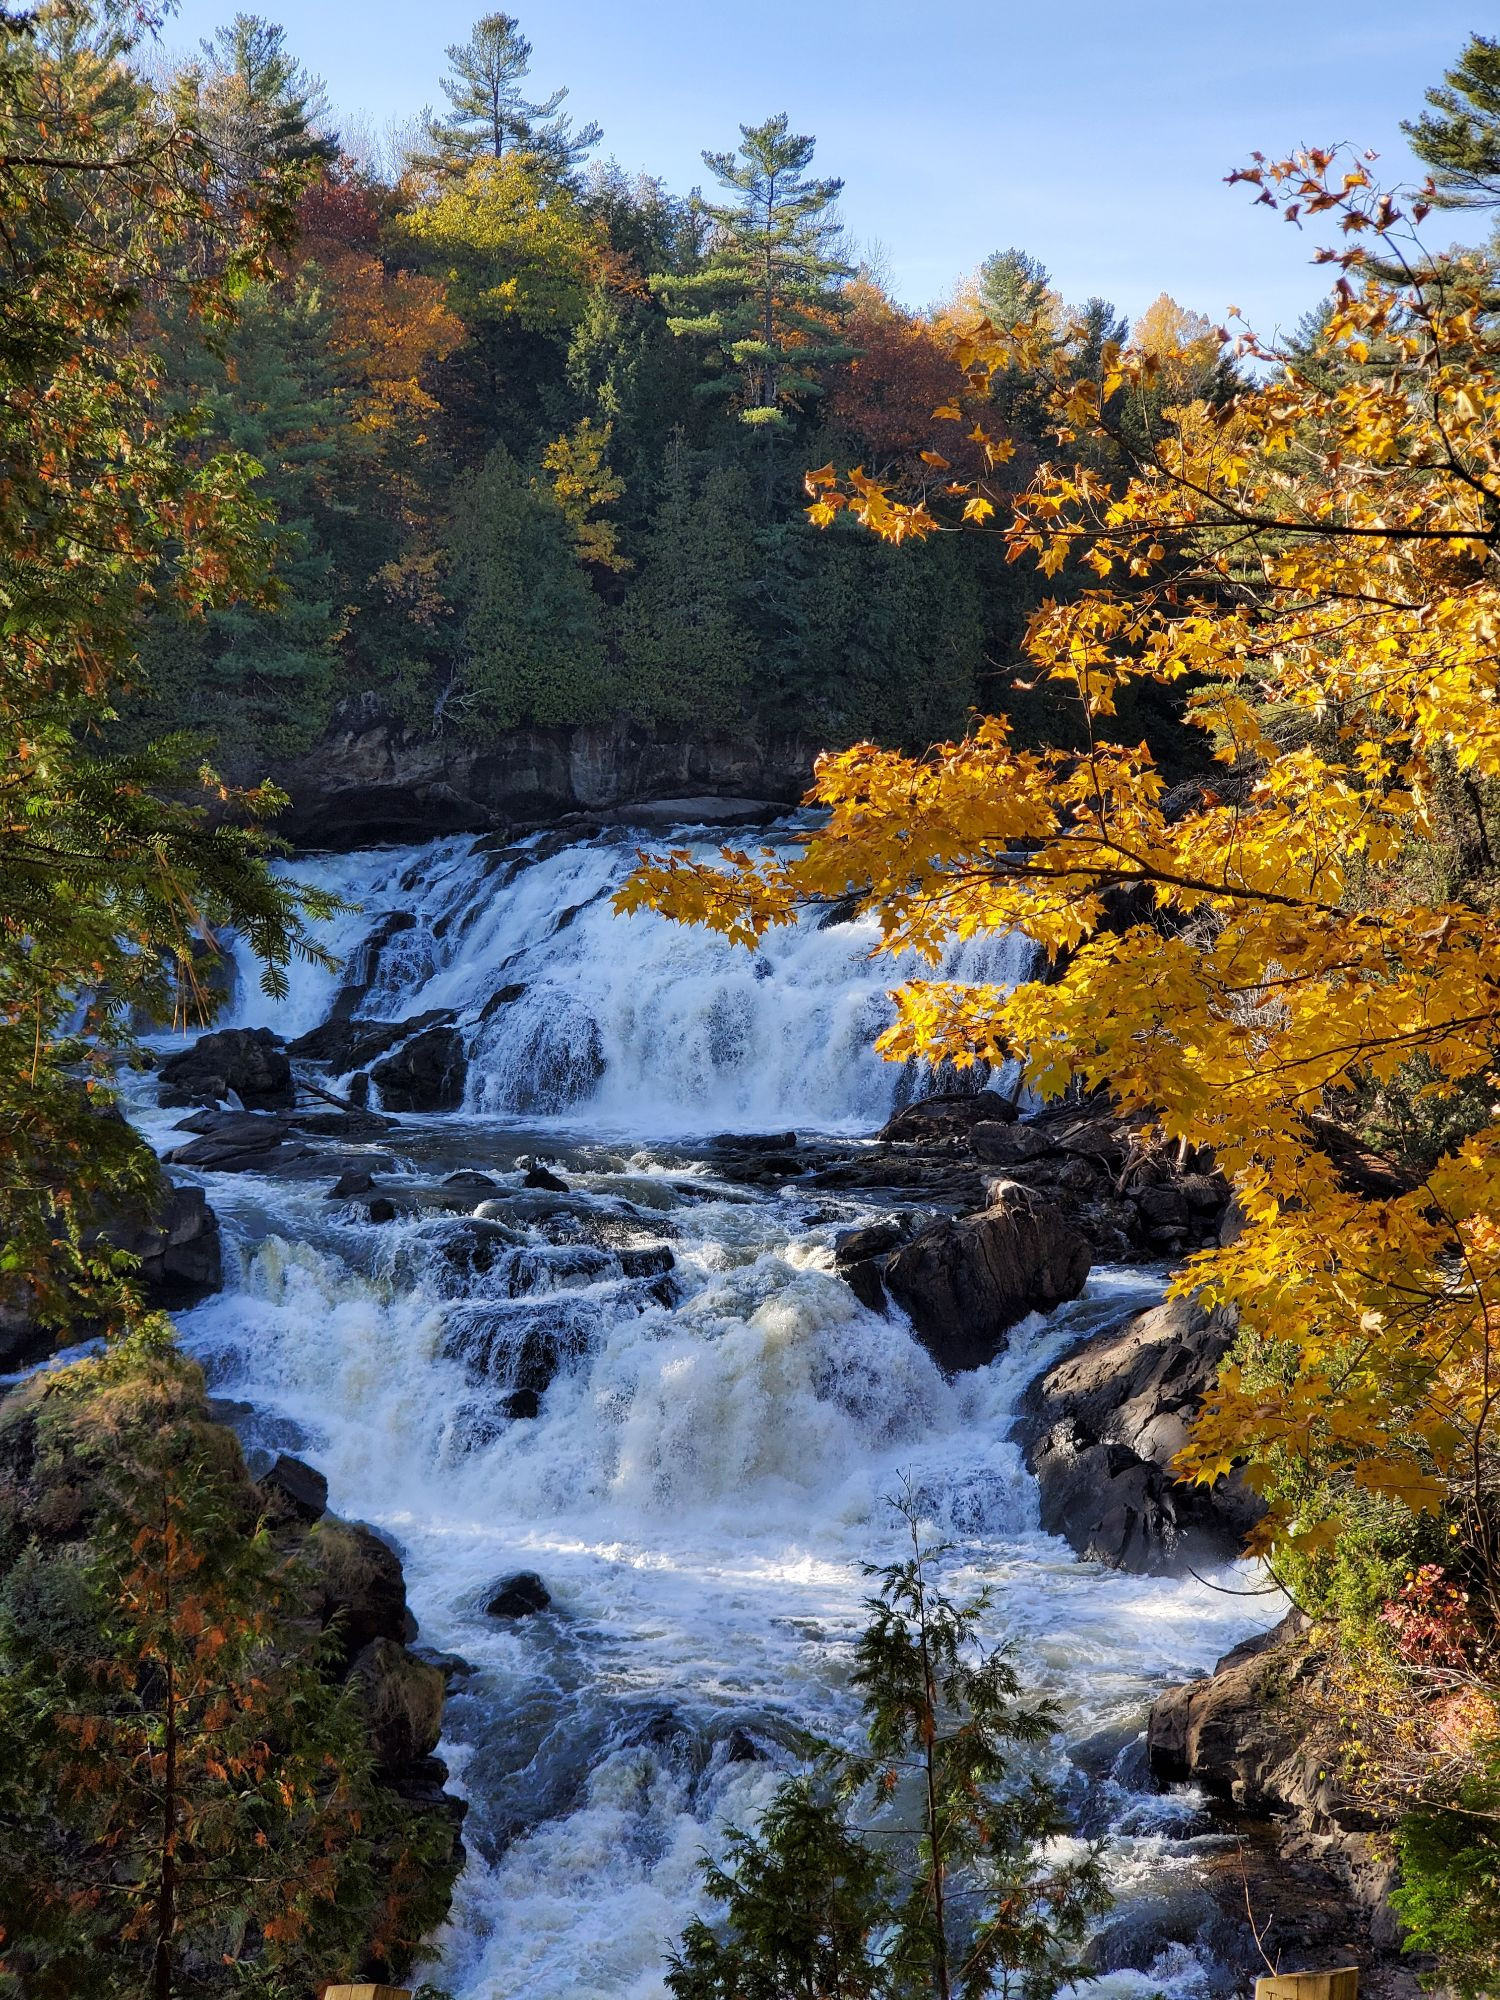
(627, 1024)
(712, 1464)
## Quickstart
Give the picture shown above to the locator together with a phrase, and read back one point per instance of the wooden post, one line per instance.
(367, 1993)
(1342, 1984)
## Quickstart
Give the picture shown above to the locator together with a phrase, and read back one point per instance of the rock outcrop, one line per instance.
(426, 1073)
(966, 1280)
(1102, 1427)
(251, 1062)
(372, 778)
(181, 1263)
(1261, 1734)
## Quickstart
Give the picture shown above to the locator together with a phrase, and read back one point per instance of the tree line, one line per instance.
(533, 431)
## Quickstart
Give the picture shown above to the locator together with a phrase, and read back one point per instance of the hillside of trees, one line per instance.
(534, 431)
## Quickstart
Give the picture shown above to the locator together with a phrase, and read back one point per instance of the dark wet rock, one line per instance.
(358, 1181)
(997, 1145)
(649, 1262)
(353, 1044)
(468, 1180)
(249, 1061)
(522, 1404)
(539, 1176)
(503, 996)
(934, 1174)
(236, 1142)
(1262, 1733)
(382, 1209)
(965, 1281)
(1102, 1427)
(755, 1142)
(181, 1259)
(526, 1343)
(843, 911)
(312, 1163)
(454, 1668)
(300, 1489)
(426, 1073)
(357, 1585)
(866, 1279)
(948, 1115)
(875, 1239)
(402, 1697)
(364, 962)
(740, 1747)
(519, 1596)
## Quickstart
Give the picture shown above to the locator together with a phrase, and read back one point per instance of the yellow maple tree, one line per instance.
(1313, 564)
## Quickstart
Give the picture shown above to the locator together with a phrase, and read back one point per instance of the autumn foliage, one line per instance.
(1311, 564)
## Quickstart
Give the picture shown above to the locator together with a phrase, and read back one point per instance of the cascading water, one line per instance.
(718, 1423)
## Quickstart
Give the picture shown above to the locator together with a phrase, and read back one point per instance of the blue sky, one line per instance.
(1095, 136)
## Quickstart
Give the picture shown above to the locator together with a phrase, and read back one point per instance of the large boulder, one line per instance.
(180, 1254)
(950, 1114)
(1103, 1426)
(965, 1281)
(358, 1587)
(1264, 1733)
(251, 1062)
(402, 1697)
(345, 1045)
(519, 1596)
(426, 1073)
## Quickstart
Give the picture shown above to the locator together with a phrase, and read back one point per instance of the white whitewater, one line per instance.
(712, 1464)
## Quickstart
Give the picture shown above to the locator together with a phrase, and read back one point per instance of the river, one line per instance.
(712, 1461)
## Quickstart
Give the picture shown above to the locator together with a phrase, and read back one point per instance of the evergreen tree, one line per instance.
(532, 646)
(686, 650)
(862, 641)
(262, 115)
(986, 1910)
(764, 304)
(1014, 287)
(1097, 326)
(967, 1901)
(489, 116)
(1459, 137)
(260, 679)
(802, 1896)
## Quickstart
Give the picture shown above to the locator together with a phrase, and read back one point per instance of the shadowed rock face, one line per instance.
(966, 1280)
(425, 1074)
(372, 778)
(249, 1061)
(1263, 1734)
(1102, 1428)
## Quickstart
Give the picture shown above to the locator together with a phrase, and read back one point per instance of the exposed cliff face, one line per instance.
(1262, 1735)
(371, 779)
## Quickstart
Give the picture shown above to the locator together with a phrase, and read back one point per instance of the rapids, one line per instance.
(713, 1458)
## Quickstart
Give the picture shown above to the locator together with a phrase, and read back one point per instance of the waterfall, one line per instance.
(632, 1025)
(719, 1424)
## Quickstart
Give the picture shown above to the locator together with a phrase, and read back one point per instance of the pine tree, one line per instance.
(532, 646)
(764, 306)
(1459, 137)
(489, 116)
(1014, 288)
(262, 115)
(686, 648)
(920, 1870)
